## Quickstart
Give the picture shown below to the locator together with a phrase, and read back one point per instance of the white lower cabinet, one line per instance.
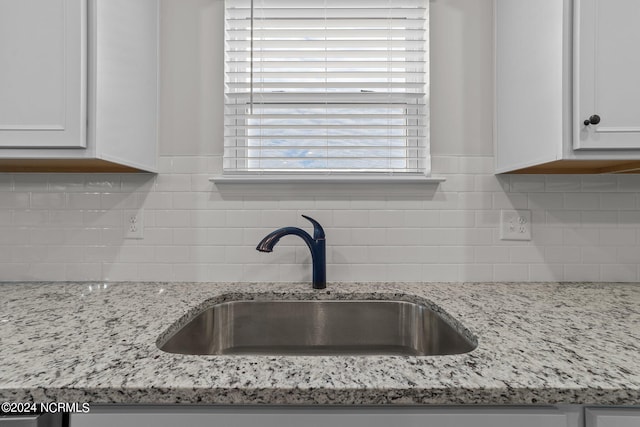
(612, 417)
(193, 416)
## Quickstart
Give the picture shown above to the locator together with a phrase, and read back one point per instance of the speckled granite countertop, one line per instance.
(538, 344)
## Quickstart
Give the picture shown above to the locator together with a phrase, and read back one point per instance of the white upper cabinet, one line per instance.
(43, 73)
(78, 85)
(567, 92)
(607, 74)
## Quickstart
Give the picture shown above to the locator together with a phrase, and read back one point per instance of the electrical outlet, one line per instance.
(515, 225)
(134, 224)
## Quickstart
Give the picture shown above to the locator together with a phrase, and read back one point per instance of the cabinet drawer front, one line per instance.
(282, 417)
(595, 417)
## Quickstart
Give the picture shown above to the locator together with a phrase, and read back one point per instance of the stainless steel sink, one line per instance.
(325, 327)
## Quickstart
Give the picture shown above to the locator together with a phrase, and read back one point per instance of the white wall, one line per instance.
(70, 227)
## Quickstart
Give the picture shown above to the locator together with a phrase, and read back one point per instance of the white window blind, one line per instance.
(326, 85)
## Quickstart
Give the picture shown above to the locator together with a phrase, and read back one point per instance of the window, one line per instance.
(326, 86)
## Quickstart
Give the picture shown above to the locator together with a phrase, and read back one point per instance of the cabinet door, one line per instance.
(606, 74)
(613, 417)
(311, 417)
(42, 73)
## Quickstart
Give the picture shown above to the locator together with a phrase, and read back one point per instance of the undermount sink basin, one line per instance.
(317, 327)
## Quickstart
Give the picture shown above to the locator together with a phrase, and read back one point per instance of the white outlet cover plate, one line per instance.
(133, 224)
(515, 225)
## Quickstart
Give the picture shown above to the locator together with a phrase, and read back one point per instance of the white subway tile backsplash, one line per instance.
(365, 236)
(618, 201)
(460, 183)
(491, 255)
(562, 255)
(596, 255)
(509, 201)
(441, 272)
(158, 236)
(111, 236)
(401, 236)
(583, 228)
(421, 219)
(14, 200)
(80, 201)
(526, 254)
(171, 254)
(562, 183)
(599, 219)
(474, 201)
(628, 183)
(546, 272)
(511, 272)
(102, 218)
(17, 272)
(527, 183)
(6, 254)
(225, 236)
(454, 255)
(173, 182)
(83, 272)
(457, 219)
(103, 182)
(543, 235)
(190, 272)
(617, 237)
(581, 236)
(6, 182)
(619, 273)
(117, 272)
(477, 165)
(117, 201)
(189, 165)
(596, 183)
(491, 182)
(405, 272)
(47, 200)
(352, 218)
(344, 254)
(582, 273)
(629, 218)
(276, 218)
(546, 201)
(582, 201)
(62, 182)
(475, 273)
(46, 272)
(564, 219)
(33, 218)
(136, 254)
(155, 272)
(172, 218)
(205, 254)
(628, 255)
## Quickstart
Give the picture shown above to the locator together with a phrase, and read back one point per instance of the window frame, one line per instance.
(364, 175)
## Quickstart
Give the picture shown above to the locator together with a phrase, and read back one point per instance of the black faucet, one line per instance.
(316, 245)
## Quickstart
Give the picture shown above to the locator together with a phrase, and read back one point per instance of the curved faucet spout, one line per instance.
(316, 245)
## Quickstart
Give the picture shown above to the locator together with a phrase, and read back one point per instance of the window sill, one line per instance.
(326, 179)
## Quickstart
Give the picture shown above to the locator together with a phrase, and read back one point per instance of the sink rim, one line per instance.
(328, 296)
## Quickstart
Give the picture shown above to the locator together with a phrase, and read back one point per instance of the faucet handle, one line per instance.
(318, 231)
